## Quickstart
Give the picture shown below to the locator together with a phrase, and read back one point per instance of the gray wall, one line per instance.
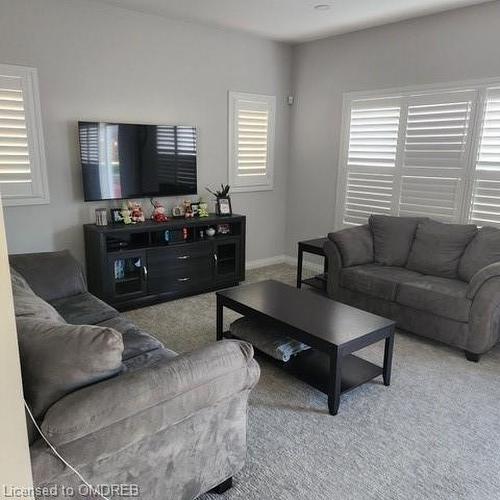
(106, 63)
(456, 45)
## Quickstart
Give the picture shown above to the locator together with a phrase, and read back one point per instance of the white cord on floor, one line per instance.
(57, 454)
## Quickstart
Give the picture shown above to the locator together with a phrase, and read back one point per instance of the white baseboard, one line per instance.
(311, 266)
(269, 261)
(283, 259)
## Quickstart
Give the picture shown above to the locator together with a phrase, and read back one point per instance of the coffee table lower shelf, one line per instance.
(313, 368)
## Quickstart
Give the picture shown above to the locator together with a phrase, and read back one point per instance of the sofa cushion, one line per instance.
(392, 238)
(84, 309)
(27, 304)
(376, 280)
(441, 296)
(482, 251)
(51, 275)
(58, 358)
(355, 245)
(135, 340)
(438, 247)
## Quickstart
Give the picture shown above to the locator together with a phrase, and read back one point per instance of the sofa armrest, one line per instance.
(207, 375)
(481, 277)
(484, 321)
(355, 245)
(51, 275)
(334, 261)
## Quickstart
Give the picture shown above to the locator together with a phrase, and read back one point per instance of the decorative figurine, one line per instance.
(188, 211)
(203, 209)
(136, 212)
(158, 214)
(125, 213)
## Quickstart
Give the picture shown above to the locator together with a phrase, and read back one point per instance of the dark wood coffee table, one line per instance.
(333, 330)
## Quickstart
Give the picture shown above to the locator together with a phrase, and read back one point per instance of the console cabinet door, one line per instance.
(128, 274)
(180, 268)
(227, 260)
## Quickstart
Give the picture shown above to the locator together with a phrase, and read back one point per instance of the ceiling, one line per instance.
(292, 20)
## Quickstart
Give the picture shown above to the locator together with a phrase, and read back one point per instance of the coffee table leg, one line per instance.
(389, 346)
(299, 267)
(220, 318)
(335, 382)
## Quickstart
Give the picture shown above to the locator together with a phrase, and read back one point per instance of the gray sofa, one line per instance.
(118, 405)
(437, 280)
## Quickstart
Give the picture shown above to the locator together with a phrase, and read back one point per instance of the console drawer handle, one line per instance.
(183, 257)
(183, 279)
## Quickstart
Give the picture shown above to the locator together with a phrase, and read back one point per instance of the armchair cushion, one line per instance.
(135, 341)
(440, 296)
(355, 245)
(58, 358)
(392, 238)
(51, 275)
(482, 251)
(438, 247)
(189, 381)
(84, 309)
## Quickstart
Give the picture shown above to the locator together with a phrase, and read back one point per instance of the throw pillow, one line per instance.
(438, 247)
(57, 358)
(392, 238)
(482, 251)
(355, 245)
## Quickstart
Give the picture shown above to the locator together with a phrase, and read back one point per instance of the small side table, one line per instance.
(315, 247)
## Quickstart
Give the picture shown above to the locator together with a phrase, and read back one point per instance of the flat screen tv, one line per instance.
(122, 160)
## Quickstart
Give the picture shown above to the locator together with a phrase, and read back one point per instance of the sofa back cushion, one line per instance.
(58, 358)
(482, 251)
(51, 275)
(27, 304)
(393, 238)
(355, 245)
(438, 247)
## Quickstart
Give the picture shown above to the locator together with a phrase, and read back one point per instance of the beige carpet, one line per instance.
(433, 434)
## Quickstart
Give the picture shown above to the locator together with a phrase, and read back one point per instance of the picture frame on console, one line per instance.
(223, 206)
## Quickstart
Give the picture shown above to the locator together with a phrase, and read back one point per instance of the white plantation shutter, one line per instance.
(22, 160)
(435, 155)
(371, 159)
(410, 155)
(485, 203)
(251, 141)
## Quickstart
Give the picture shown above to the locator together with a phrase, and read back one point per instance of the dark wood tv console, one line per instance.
(135, 265)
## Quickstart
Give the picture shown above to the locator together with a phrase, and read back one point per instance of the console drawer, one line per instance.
(179, 253)
(179, 269)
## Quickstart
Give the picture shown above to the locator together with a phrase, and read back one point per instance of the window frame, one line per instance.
(260, 99)
(480, 86)
(34, 128)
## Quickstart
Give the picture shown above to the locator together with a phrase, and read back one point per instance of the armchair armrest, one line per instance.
(196, 380)
(481, 277)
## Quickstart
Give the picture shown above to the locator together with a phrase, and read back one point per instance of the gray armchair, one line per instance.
(440, 281)
(173, 425)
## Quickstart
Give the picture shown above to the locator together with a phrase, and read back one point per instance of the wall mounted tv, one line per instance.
(122, 160)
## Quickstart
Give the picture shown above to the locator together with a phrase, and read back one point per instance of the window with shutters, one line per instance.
(23, 177)
(431, 152)
(251, 141)
(485, 197)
